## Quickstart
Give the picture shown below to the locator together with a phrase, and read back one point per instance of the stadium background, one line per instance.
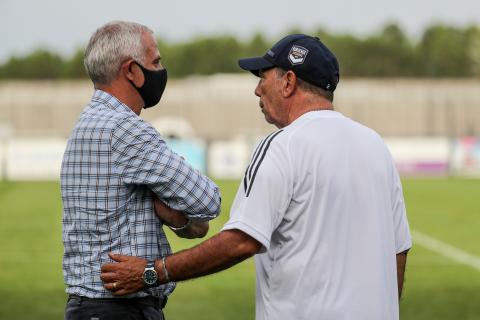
(431, 125)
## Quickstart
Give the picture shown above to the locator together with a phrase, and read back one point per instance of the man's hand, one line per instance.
(125, 276)
(174, 218)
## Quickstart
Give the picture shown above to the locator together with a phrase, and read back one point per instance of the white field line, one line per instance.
(446, 250)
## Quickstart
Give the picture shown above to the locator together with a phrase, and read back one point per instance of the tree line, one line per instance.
(441, 51)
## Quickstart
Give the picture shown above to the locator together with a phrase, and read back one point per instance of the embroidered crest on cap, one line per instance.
(297, 55)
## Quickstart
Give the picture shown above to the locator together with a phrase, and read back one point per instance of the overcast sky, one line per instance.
(64, 25)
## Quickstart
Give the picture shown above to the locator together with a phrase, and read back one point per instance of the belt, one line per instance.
(156, 302)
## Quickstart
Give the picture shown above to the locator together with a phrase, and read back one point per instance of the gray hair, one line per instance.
(112, 44)
(304, 85)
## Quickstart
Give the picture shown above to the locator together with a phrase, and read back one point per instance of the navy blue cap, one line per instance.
(306, 56)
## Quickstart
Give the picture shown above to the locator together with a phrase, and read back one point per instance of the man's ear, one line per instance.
(289, 83)
(132, 72)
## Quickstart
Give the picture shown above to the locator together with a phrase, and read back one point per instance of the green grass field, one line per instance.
(436, 288)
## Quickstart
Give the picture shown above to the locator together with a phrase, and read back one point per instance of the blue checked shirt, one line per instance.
(112, 163)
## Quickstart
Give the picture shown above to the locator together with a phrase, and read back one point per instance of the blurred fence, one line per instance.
(40, 159)
(431, 126)
(223, 106)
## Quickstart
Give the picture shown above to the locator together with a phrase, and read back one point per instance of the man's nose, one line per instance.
(257, 91)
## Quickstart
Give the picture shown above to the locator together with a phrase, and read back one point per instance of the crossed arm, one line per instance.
(182, 227)
(220, 252)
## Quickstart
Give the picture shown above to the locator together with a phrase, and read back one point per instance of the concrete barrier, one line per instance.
(33, 159)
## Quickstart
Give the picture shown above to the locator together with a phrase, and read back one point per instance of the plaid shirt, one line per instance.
(112, 163)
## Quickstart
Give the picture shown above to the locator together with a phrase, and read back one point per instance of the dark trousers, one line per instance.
(82, 308)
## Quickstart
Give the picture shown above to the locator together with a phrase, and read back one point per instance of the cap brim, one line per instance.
(254, 65)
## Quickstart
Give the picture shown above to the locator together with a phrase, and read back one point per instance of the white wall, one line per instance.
(40, 158)
(420, 156)
(228, 159)
(33, 159)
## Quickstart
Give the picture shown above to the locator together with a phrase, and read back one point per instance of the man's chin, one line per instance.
(269, 120)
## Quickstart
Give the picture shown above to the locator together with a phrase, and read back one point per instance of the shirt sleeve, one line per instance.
(142, 157)
(263, 197)
(403, 240)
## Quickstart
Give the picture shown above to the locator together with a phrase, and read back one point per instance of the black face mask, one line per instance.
(153, 86)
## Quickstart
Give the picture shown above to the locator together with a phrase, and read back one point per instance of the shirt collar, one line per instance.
(110, 101)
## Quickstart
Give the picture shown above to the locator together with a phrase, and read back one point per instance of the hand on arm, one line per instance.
(218, 253)
(178, 223)
(215, 254)
(401, 263)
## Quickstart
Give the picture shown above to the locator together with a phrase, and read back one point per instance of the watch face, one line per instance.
(150, 277)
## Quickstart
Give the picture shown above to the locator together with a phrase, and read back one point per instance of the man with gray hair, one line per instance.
(117, 173)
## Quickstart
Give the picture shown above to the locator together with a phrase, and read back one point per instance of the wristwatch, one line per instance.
(150, 276)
